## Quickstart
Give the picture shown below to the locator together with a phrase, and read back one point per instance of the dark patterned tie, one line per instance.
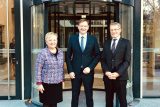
(113, 45)
(82, 46)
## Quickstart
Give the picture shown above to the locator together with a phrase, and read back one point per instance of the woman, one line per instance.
(50, 72)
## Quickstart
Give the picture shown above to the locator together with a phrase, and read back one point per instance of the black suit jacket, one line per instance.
(77, 60)
(119, 61)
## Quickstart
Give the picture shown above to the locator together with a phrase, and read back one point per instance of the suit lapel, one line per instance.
(77, 41)
(119, 44)
(110, 52)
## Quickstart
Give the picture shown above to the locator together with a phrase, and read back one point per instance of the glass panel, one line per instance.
(11, 44)
(81, 9)
(37, 44)
(99, 28)
(4, 49)
(126, 20)
(151, 48)
(66, 7)
(66, 30)
(64, 20)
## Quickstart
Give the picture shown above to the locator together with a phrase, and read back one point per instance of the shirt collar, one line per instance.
(117, 38)
(85, 36)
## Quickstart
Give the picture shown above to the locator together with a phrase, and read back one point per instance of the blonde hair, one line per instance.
(83, 20)
(49, 34)
(115, 23)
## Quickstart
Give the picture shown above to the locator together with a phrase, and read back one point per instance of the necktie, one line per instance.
(82, 46)
(113, 46)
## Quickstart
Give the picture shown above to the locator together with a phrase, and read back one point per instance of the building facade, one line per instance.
(24, 23)
(62, 17)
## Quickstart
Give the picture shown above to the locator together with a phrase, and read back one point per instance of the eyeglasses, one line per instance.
(114, 29)
(83, 26)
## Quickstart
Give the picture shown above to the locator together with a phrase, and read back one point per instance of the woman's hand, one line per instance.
(40, 88)
(63, 85)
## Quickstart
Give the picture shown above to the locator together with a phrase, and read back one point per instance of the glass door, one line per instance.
(101, 16)
(7, 51)
(63, 18)
(82, 10)
(126, 20)
(37, 39)
(61, 21)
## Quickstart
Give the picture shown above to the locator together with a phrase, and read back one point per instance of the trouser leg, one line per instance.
(120, 87)
(109, 89)
(76, 85)
(46, 105)
(53, 105)
(88, 87)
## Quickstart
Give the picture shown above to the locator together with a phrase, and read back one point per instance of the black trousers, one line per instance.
(118, 86)
(49, 105)
(87, 80)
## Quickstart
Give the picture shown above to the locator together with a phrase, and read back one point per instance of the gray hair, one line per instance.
(116, 23)
(49, 34)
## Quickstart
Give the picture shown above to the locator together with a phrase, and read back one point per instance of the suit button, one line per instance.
(81, 66)
(112, 60)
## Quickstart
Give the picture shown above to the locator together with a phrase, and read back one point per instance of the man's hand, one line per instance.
(108, 73)
(115, 75)
(40, 88)
(86, 70)
(112, 75)
(72, 75)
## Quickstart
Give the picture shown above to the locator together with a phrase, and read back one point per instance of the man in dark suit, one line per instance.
(82, 56)
(115, 61)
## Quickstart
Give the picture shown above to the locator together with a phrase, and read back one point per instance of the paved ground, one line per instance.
(136, 103)
(98, 96)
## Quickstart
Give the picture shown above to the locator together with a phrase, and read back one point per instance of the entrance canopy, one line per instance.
(128, 2)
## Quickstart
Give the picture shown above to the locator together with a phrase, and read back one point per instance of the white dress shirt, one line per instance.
(116, 42)
(84, 40)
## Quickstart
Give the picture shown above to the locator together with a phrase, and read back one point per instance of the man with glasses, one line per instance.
(82, 56)
(115, 61)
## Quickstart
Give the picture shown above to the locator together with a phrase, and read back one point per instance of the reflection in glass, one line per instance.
(37, 44)
(151, 48)
(126, 20)
(101, 16)
(5, 47)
